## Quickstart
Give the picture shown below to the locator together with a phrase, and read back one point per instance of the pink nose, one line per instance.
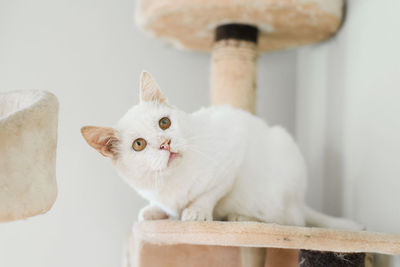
(166, 145)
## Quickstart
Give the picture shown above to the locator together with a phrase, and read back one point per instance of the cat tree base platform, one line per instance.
(175, 243)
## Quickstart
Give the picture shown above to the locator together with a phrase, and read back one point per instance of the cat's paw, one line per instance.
(196, 214)
(152, 213)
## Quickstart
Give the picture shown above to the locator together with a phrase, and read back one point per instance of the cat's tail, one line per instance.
(317, 219)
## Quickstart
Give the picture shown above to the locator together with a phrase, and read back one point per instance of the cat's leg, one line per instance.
(201, 208)
(152, 212)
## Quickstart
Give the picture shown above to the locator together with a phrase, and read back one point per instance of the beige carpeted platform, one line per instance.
(283, 24)
(28, 141)
(191, 244)
(254, 234)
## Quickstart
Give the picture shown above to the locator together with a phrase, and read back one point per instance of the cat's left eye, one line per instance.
(164, 123)
(139, 144)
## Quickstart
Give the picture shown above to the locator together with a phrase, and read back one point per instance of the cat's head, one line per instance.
(150, 138)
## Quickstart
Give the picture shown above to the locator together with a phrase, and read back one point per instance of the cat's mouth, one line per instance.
(173, 156)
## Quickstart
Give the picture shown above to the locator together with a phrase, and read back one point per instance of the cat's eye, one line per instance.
(139, 144)
(164, 123)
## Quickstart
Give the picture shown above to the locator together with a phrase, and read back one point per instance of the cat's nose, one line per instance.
(166, 145)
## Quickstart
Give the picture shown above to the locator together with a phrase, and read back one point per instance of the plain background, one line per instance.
(340, 99)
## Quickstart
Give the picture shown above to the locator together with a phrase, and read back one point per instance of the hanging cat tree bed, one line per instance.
(235, 31)
(28, 140)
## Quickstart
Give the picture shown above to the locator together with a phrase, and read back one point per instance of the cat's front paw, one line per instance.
(150, 213)
(196, 214)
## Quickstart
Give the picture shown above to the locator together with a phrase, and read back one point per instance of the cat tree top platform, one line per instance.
(254, 234)
(282, 24)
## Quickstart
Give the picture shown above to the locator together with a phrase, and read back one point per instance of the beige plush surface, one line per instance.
(283, 23)
(152, 255)
(253, 234)
(145, 254)
(28, 140)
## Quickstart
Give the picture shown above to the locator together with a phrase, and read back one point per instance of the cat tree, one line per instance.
(236, 31)
(28, 140)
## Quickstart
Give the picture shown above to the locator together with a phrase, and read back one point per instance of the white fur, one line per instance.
(232, 166)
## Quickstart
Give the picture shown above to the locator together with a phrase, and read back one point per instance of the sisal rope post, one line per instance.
(234, 66)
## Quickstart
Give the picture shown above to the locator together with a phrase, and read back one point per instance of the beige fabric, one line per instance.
(145, 254)
(284, 24)
(253, 234)
(153, 255)
(233, 74)
(282, 258)
(28, 139)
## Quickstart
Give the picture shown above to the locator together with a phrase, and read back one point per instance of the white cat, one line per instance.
(217, 163)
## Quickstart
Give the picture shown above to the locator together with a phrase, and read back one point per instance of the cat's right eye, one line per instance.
(139, 144)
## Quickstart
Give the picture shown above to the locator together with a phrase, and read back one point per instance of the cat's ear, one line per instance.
(103, 139)
(149, 90)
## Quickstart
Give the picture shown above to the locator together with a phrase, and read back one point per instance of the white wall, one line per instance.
(348, 112)
(90, 54)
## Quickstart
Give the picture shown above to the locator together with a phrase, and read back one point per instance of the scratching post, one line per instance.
(28, 140)
(236, 32)
(233, 67)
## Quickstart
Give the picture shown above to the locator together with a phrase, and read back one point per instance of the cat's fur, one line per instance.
(230, 165)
